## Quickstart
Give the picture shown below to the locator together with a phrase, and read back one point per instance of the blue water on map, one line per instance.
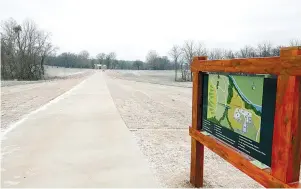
(257, 107)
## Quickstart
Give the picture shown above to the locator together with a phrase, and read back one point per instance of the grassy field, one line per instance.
(253, 94)
(222, 93)
(212, 101)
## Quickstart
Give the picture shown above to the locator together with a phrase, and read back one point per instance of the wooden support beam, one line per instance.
(242, 162)
(197, 149)
(286, 149)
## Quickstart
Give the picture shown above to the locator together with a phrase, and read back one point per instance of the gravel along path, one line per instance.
(18, 98)
(161, 77)
(158, 117)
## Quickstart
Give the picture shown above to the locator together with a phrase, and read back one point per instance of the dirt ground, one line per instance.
(158, 116)
(18, 98)
(157, 111)
(160, 77)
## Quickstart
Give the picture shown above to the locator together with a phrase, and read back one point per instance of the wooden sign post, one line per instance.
(281, 120)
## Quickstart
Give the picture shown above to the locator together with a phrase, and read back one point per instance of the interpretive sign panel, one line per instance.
(239, 110)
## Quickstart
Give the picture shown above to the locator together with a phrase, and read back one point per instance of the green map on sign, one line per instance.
(235, 102)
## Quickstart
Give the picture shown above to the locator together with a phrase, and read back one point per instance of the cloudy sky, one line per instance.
(133, 27)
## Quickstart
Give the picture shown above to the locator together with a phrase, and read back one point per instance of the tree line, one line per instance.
(182, 55)
(73, 60)
(25, 49)
(83, 60)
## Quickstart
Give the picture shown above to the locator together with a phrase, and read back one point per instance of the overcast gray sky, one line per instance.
(133, 27)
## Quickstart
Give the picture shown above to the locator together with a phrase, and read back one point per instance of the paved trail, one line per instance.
(77, 141)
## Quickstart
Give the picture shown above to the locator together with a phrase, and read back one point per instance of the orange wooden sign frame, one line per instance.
(286, 147)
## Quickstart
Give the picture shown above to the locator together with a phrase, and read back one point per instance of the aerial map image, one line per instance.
(235, 102)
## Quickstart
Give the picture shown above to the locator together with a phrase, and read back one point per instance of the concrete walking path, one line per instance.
(78, 141)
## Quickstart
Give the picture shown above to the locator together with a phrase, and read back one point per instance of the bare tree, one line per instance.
(184, 67)
(229, 54)
(264, 49)
(200, 50)
(84, 54)
(295, 42)
(24, 50)
(101, 57)
(84, 59)
(152, 59)
(138, 64)
(175, 54)
(114, 63)
(216, 53)
(276, 50)
(109, 59)
(9, 66)
(246, 52)
(189, 51)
